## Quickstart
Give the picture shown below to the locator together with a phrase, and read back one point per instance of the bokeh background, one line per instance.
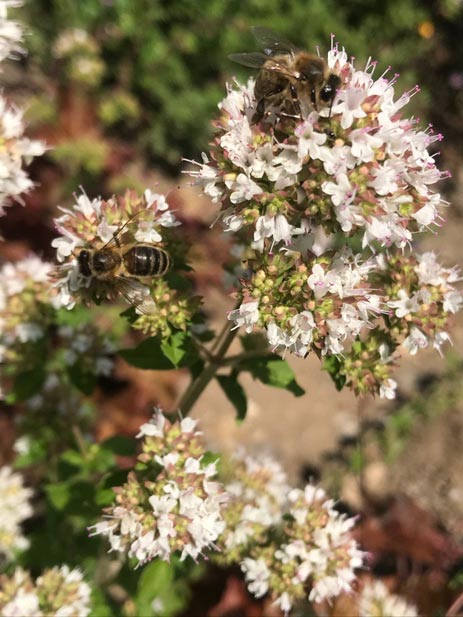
(121, 90)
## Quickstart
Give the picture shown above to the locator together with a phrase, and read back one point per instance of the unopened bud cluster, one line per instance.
(58, 591)
(169, 504)
(15, 507)
(320, 304)
(291, 544)
(172, 310)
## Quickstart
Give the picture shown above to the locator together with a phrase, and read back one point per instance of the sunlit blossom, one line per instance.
(57, 591)
(176, 506)
(376, 601)
(15, 507)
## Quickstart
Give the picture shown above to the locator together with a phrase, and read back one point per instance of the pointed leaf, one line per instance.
(235, 393)
(148, 355)
(273, 371)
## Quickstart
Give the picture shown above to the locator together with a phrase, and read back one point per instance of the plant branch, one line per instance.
(455, 608)
(222, 334)
(196, 387)
(246, 355)
(80, 441)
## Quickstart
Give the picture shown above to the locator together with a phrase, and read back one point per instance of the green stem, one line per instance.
(246, 355)
(80, 441)
(196, 387)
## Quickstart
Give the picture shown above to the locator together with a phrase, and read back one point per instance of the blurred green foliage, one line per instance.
(156, 69)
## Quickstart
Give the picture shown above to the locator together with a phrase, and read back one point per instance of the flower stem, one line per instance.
(196, 387)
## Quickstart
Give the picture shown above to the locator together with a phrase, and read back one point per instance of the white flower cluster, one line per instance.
(342, 285)
(183, 512)
(319, 553)
(59, 591)
(376, 601)
(11, 33)
(93, 223)
(300, 191)
(22, 285)
(56, 396)
(320, 562)
(84, 346)
(431, 276)
(24, 292)
(15, 507)
(16, 150)
(28, 303)
(372, 175)
(71, 41)
(258, 497)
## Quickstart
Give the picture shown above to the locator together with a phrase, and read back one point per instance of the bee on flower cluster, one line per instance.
(289, 78)
(126, 265)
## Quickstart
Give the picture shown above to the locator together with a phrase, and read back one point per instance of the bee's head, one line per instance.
(83, 259)
(329, 89)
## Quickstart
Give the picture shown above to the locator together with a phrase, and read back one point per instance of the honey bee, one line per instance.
(125, 267)
(289, 77)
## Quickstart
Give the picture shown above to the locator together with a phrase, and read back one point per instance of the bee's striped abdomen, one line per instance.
(146, 260)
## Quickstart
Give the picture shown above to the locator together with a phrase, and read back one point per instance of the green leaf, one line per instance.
(177, 347)
(73, 458)
(70, 464)
(235, 394)
(156, 576)
(100, 607)
(26, 384)
(115, 478)
(332, 365)
(37, 452)
(120, 445)
(83, 380)
(130, 314)
(148, 355)
(274, 371)
(59, 494)
(104, 497)
(82, 498)
(157, 583)
(78, 316)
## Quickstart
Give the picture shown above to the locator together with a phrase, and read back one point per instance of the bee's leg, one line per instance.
(295, 100)
(260, 109)
(313, 98)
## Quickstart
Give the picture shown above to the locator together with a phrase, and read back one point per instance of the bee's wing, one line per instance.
(135, 294)
(272, 43)
(255, 60)
(147, 307)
